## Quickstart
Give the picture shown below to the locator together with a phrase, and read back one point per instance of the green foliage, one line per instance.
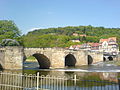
(9, 42)
(47, 40)
(55, 37)
(61, 37)
(8, 29)
(92, 39)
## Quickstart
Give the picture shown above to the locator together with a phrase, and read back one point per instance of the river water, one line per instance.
(99, 71)
(99, 67)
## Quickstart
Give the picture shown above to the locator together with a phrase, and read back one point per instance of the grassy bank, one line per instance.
(114, 62)
(31, 59)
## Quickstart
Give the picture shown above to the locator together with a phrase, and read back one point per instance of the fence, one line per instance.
(10, 81)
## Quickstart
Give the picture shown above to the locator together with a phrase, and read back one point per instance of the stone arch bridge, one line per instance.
(13, 57)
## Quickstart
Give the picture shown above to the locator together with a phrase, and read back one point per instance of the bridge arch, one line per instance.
(1, 66)
(104, 59)
(90, 60)
(70, 60)
(110, 58)
(43, 61)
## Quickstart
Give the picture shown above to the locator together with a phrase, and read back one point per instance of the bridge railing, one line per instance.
(14, 81)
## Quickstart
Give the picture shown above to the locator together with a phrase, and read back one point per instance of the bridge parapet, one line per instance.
(13, 56)
(33, 48)
(44, 49)
(97, 56)
(2, 49)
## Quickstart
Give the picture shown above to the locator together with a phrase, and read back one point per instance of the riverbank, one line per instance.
(117, 63)
(31, 60)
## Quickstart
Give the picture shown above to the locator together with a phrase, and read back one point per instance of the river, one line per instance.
(99, 71)
(88, 70)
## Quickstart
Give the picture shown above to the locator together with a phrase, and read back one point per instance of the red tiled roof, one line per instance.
(90, 44)
(112, 38)
(102, 40)
(82, 35)
(107, 40)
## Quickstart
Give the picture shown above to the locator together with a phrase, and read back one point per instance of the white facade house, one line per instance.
(109, 45)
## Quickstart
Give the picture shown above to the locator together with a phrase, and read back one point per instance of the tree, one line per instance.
(8, 29)
(9, 42)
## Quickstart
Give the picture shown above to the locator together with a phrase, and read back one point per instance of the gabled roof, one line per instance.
(108, 40)
(103, 40)
(112, 38)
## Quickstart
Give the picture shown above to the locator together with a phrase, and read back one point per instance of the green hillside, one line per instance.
(62, 36)
(56, 37)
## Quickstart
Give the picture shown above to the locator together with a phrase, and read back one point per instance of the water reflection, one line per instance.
(84, 82)
(109, 76)
(102, 71)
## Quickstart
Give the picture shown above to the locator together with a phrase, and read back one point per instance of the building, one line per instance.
(86, 46)
(75, 47)
(95, 46)
(109, 45)
(82, 35)
(77, 40)
(75, 34)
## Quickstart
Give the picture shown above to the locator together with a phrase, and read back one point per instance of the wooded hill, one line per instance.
(55, 37)
(62, 36)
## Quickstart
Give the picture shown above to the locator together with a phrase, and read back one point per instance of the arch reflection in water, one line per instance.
(70, 60)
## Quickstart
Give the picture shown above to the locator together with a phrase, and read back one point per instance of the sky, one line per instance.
(33, 14)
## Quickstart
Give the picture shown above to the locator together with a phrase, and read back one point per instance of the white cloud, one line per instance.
(32, 29)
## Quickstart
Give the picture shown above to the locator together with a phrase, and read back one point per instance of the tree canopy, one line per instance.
(9, 42)
(8, 30)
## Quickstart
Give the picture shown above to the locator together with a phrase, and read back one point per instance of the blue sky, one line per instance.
(30, 14)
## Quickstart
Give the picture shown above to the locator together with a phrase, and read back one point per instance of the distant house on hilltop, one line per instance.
(77, 40)
(82, 35)
(75, 47)
(75, 34)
